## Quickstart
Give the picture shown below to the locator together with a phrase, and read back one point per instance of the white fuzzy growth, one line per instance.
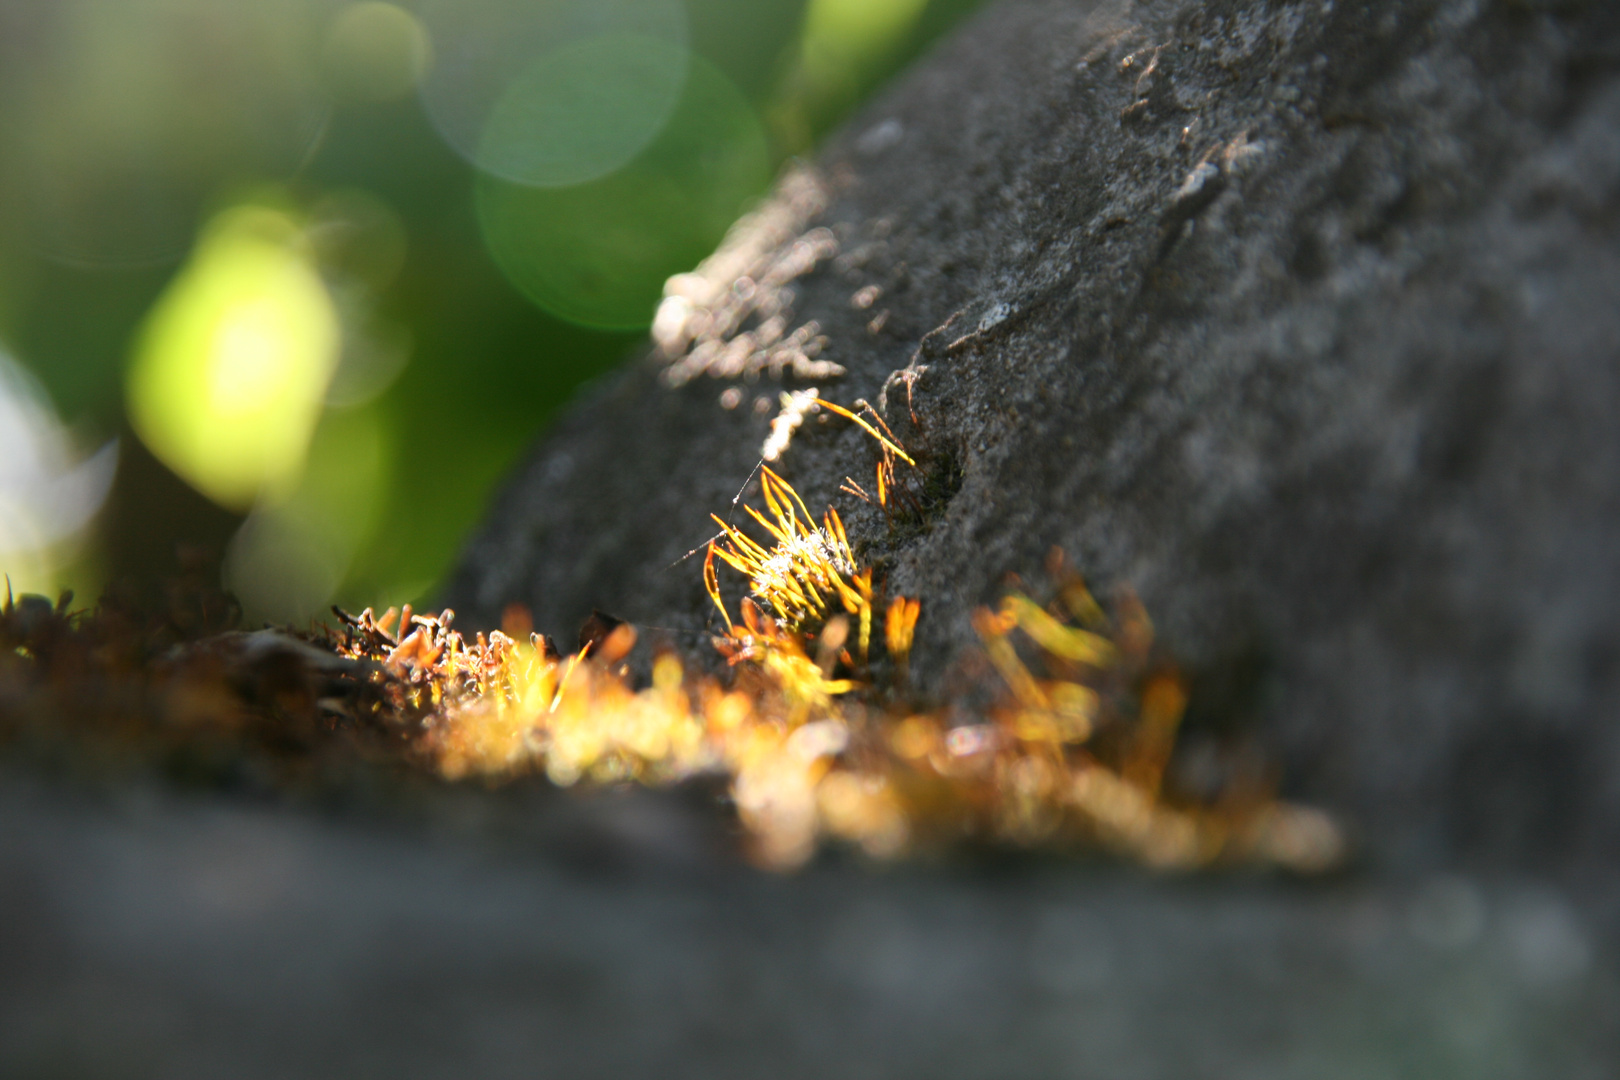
(795, 407)
(792, 560)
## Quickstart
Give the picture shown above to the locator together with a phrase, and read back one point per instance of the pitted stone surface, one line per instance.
(1298, 318)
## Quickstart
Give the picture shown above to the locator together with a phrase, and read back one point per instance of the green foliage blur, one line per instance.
(323, 268)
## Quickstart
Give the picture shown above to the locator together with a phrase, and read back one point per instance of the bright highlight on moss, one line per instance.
(1064, 740)
(1072, 753)
(230, 368)
(818, 734)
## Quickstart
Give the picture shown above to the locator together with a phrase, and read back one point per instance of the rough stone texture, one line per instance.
(1304, 325)
(1343, 412)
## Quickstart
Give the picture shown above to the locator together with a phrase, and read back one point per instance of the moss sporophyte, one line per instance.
(813, 724)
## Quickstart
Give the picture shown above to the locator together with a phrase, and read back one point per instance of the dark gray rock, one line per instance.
(1299, 318)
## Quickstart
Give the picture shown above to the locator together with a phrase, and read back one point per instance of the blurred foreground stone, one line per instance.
(163, 937)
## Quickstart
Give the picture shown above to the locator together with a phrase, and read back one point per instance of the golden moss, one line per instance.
(1073, 751)
(814, 723)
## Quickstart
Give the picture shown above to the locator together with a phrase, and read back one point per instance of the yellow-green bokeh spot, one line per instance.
(844, 46)
(860, 29)
(230, 367)
(598, 253)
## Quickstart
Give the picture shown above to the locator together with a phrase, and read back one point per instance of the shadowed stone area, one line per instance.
(1298, 318)
(159, 937)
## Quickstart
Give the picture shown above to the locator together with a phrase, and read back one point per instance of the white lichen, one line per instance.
(795, 407)
(730, 317)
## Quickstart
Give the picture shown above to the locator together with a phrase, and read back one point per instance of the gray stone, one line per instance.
(1298, 318)
(160, 936)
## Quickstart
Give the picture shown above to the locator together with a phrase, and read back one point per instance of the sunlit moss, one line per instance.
(1065, 739)
(818, 735)
(230, 367)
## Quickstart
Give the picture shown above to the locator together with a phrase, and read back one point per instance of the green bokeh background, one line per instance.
(126, 124)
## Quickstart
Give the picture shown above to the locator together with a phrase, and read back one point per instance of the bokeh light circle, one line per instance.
(597, 254)
(485, 50)
(47, 493)
(231, 365)
(582, 111)
(374, 51)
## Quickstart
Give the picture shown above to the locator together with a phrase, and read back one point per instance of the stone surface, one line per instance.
(1298, 318)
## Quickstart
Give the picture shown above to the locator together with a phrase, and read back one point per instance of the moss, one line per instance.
(1062, 739)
